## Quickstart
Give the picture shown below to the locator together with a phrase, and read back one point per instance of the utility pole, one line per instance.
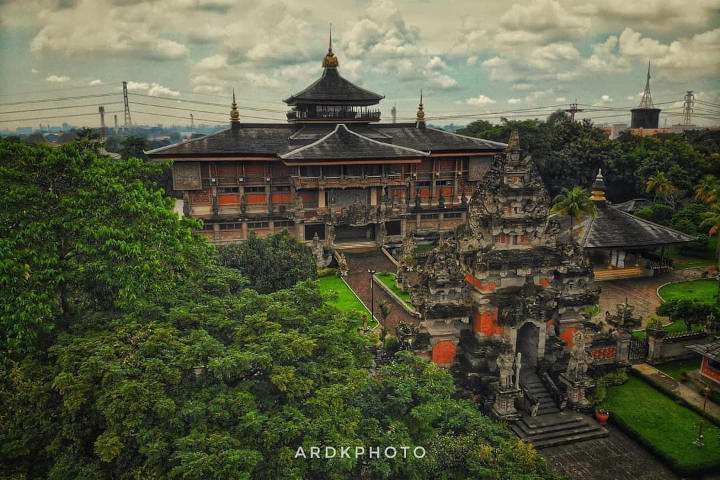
(192, 124)
(116, 127)
(101, 109)
(393, 112)
(573, 110)
(688, 107)
(128, 120)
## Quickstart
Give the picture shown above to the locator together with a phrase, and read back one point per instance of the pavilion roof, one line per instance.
(332, 88)
(709, 350)
(612, 227)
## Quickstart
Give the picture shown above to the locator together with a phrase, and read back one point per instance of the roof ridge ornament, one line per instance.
(234, 114)
(514, 141)
(598, 189)
(420, 119)
(330, 60)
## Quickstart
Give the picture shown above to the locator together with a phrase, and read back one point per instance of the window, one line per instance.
(353, 171)
(502, 238)
(280, 188)
(428, 216)
(515, 209)
(312, 172)
(442, 182)
(258, 224)
(332, 171)
(453, 215)
(207, 226)
(423, 184)
(254, 189)
(229, 189)
(231, 226)
(372, 170)
(514, 239)
(284, 223)
(392, 170)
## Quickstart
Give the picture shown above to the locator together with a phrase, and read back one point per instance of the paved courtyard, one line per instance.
(640, 292)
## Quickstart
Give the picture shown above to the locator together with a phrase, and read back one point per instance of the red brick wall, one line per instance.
(710, 372)
(486, 321)
(443, 353)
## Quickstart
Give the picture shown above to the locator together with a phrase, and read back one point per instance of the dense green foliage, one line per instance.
(569, 154)
(128, 353)
(270, 263)
(666, 427)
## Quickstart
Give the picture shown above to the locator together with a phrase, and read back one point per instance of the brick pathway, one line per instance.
(640, 292)
(616, 457)
(359, 281)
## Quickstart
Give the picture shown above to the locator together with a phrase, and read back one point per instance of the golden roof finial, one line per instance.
(420, 112)
(330, 60)
(234, 114)
(598, 189)
(514, 142)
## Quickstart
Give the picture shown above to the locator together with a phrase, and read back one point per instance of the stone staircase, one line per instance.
(557, 429)
(552, 427)
(618, 273)
(532, 383)
(355, 246)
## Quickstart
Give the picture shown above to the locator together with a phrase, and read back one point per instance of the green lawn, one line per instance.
(388, 279)
(667, 426)
(345, 300)
(704, 290)
(671, 328)
(674, 368)
(423, 249)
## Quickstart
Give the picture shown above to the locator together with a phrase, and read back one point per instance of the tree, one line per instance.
(574, 203)
(708, 190)
(661, 186)
(80, 230)
(133, 147)
(271, 263)
(711, 221)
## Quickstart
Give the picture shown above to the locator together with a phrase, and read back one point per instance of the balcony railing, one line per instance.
(347, 115)
(365, 181)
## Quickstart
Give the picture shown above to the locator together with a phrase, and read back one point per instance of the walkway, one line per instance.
(616, 457)
(641, 293)
(359, 280)
(687, 394)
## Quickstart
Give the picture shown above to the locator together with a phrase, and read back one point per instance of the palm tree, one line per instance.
(708, 190)
(711, 220)
(660, 185)
(574, 203)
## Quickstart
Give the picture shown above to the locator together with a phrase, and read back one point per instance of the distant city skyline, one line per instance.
(476, 60)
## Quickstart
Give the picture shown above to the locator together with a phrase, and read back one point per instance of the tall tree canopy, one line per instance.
(270, 263)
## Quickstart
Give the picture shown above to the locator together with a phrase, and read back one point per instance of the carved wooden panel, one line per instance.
(186, 176)
(478, 167)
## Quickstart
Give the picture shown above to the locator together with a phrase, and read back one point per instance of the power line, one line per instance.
(58, 116)
(177, 116)
(56, 108)
(60, 99)
(243, 107)
(51, 90)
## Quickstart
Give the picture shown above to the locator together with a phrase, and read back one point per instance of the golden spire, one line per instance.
(234, 114)
(598, 189)
(420, 113)
(330, 60)
(514, 142)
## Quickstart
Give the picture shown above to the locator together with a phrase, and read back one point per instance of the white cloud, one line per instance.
(436, 63)
(560, 99)
(541, 20)
(57, 79)
(95, 82)
(153, 89)
(606, 99)
(34, 70)
(514, 101)
(382, 32)
(480, 100)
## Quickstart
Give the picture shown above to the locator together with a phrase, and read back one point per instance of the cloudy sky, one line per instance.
(470, 57)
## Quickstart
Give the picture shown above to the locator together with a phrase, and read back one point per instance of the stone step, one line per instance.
(528, 431)
(548, 410)
(569, 432)
(581, 437)
(563, 418)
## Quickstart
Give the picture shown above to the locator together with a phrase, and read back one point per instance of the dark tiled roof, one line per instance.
(257, 139)
(431, 139)
(614, 228)
(632, 206)
(342, 143)
(332, 87)
(710, 350)
(276, 139)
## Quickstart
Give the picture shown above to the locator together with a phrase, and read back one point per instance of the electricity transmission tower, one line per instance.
(128, 120)
(688, 107)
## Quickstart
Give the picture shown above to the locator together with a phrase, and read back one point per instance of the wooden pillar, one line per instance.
(244, 230)
(321, 197)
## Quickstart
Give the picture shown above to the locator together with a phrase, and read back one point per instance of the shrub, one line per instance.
(327, 272)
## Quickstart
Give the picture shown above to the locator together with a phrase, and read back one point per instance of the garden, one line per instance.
(665, 426)
(704, 290)
(339, 295)
(389, 280)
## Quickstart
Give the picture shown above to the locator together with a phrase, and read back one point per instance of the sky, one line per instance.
(472, 59)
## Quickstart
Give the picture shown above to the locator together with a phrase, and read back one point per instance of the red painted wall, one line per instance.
(487, 321)
(443, 353)
(710, 372)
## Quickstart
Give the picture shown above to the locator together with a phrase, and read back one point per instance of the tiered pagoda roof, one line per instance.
(332, 88)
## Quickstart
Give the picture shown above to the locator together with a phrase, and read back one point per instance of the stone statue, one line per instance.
(417, 201)
(186, 204)
(580, 358)
(505, 369)
(330, 235)
(441, 201)
(408, 245)
(342, 264)
(243, 204)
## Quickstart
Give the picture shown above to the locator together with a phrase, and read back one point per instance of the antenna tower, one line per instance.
(128, 120)
(688, 107)
(646, 101)
(573, 110)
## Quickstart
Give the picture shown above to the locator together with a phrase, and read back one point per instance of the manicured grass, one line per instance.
(671, 328)
(342, 297)
(674, 368)
(704, 290)
(388, 279)
(665, 426)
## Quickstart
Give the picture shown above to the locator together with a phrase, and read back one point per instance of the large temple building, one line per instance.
(332, 171)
